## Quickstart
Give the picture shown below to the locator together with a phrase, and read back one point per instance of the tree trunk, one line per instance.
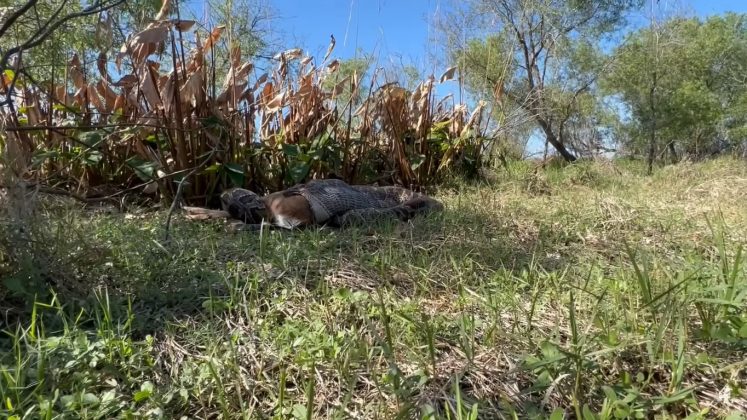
(673, 152)
(652, 140)
(552, 138)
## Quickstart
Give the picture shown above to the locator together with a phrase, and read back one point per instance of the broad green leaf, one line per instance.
(40, 157)
(143, 169)
(417, 161)
(557, 414)
(588, 414)
(146, 390)
(89, 399)
(291, 149)
(235, 173)
(142, 396)
(93, 158)
(212, 168)
(299, 171)
(743, 331)
(299, 411)
(91, 139)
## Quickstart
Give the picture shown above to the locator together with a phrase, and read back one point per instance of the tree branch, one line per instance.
(47, 30)
(15, 15)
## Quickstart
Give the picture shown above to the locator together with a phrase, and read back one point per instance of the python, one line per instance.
(328, 202)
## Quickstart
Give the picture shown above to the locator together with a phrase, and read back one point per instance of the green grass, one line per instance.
(590, 291)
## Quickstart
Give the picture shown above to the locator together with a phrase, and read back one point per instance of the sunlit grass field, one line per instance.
(585, 291)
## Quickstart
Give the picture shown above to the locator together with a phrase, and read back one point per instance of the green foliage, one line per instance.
(699, 97)
(539, 55)
(248, 28)
(353, 72)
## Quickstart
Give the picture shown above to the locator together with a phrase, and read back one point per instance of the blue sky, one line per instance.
(390, 29)
(394, 29)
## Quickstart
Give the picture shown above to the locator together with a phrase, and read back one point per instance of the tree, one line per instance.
(696, 101)
(341, 82)
(247, 28)
(540, 54)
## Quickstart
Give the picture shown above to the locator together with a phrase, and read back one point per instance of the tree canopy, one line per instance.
(701, 88)
(542, 55)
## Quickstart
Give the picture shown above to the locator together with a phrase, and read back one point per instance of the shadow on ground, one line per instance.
(124, 258)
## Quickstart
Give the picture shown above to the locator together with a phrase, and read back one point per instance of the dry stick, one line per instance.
(363, 143)
(178, 194)
(193, 144)
(181, 152)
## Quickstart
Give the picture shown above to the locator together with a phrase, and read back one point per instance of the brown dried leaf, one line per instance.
(333, 66)
(74, 61)
(6, 80)
(235, 56)
(141, 52)
(79, 80)
(119, 103)
(110, 97)
(148, 88)
(262, 79)
(104, 31)
(213, 38)
(126, 81)
(306, 87)
(167, 93)
(290, 54)
(473, 118)
(182, 25)
(101, 64)
(199, 213)
(79, 96)
(234, 93)
(248, 96)
(95, 99)
(152, 35)
(237, 75)
(275, 104)
(33, 114)
(448, 74)
(149, 119)
(61, 95)
(339, 87)
(244, 70)
(190, 92)
(118, 60)
(498, 92)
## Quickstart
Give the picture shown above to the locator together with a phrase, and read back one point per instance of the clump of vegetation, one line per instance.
(157, 117)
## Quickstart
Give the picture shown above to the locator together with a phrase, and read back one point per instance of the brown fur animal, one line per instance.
(329, 202)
